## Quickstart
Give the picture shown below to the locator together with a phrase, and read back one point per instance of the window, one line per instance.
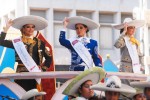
(123, 16)
(106, 31)
(60, 15)
(106, 37)
(106, 18)
(58, 18)
(85, 14)
(57, 28)
(41, 13)
(148, 2)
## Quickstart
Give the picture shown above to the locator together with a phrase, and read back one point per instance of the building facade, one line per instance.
(106, 12)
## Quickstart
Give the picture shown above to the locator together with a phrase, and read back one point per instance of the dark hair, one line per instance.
(71, 97)
(85, 27)
(121, 30)
(83, 84)
(23, 27)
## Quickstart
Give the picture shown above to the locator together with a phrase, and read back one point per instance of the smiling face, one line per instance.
(28, 29)
(85, 90)
(81, 30)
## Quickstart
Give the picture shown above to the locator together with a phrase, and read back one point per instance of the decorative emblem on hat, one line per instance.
(113, 85)
(113, 82)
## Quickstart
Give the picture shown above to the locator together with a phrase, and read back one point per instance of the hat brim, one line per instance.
(58, 94)
(141, 84)
(82, 20)
(32, 93)
(39, 22)
(138, 91)
(135, 23)
(94, 74)
(124, 88)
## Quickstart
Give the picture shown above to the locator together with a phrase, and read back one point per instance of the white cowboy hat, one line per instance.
(58, 94)
(39, 22)
(141, 84)
(130, 22)
(114, 84)
(138, 91)
(82, 20)
(32, 93)
(95, 74)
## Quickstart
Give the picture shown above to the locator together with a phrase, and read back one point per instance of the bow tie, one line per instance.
(134, 41)
(27, 40)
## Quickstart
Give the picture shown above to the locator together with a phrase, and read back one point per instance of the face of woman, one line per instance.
(28, 29)
(110, 95)
(130, 30)
(85, 90)
(140, 97)
(80, 30)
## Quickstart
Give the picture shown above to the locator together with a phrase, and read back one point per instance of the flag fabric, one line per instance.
(7, 60)
(109, 66)
(48, 85)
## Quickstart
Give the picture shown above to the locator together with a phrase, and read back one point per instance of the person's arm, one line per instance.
(120, 43)
(63, 41)
(95, 56)
(62, 38)
(4, 42)
(47, 56)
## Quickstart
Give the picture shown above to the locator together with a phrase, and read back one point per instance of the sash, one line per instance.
(82, 51)
(134, 56)
(25, 57)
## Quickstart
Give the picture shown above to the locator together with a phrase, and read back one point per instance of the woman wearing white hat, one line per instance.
(131, 57)
(84, 50)
(139, 95)
(145, 85)
(35, 47)
(113, 88)
(79, 87)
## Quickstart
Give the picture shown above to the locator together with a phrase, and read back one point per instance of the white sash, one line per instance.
(134, 55)
(25, 57)
(82, 52)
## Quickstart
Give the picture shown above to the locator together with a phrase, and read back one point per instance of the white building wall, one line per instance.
(106, 12)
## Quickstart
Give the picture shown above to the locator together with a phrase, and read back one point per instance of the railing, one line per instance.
(68, 75)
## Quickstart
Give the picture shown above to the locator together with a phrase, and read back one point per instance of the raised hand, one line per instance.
(8, 24)
(65, 22)
(125, 28)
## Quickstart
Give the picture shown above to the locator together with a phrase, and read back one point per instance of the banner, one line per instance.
(25, 57)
